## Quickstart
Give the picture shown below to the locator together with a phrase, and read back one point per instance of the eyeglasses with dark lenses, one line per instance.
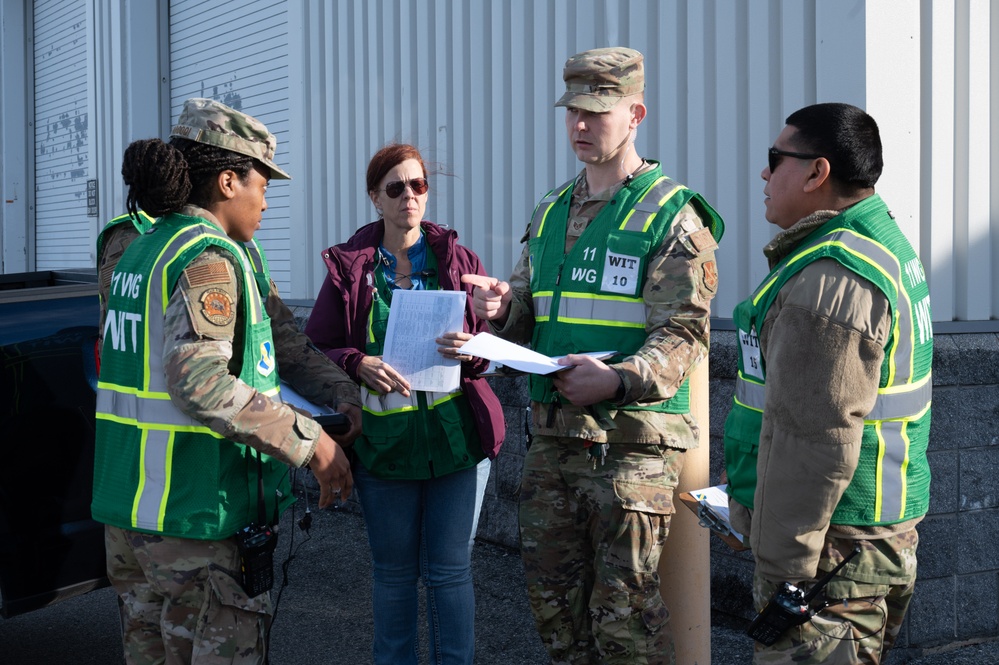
(774, 155)
(395, 188)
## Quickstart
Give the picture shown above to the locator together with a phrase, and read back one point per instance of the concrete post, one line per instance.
(685, 565)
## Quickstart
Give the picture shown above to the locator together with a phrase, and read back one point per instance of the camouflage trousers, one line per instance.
(865, 605)
(181, 601)
(591, 536)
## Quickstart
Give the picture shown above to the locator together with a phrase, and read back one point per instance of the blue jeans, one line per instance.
(423, 528)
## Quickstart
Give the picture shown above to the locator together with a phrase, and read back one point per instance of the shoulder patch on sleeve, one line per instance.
(203, 274)
(710, 269)
(702, 240)
(217, 307)
(211, 292)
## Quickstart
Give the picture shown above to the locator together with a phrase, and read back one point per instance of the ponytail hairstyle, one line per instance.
(164, 177)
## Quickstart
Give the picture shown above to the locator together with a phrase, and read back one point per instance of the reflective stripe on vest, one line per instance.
(545, 205)
(904, 399)
(899, 398)
(141, 222)
(154, 479)
(378, 404)
(642, 214)
(149, 409)
(893, 402)
(617, 311)
(147, 405)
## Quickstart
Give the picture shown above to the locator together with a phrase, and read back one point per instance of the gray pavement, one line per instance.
(324, 612)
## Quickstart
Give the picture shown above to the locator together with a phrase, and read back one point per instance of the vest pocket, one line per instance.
(386, 445)
(623, 269)
(457, 428)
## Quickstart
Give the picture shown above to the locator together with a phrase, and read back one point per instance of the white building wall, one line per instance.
(472, 85)
(130, 93)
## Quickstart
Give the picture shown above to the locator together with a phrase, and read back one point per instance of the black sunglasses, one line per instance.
(395, 188)
(774, 155)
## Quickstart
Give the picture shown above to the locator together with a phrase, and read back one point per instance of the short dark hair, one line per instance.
(388, 158)
(846, 136)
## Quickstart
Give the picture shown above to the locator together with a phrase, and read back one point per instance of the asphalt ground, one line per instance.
(324, 611)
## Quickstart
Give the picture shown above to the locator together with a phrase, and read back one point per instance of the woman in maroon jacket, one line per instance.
(423, 458)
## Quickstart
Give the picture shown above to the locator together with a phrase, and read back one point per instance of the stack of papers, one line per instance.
(416, 320)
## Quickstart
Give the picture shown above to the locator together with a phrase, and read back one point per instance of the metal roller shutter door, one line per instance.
(237, 53)
(62, 161)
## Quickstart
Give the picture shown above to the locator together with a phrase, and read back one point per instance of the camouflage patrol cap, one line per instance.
(214, 123)
(597, 79)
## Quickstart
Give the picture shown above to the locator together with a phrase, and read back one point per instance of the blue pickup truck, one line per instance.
(50, 549)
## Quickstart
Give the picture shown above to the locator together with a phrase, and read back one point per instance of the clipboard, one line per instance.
(705, 505)
(333, 422)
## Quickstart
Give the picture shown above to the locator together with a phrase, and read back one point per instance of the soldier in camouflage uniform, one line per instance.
(619, 259)
(189, 411)
(825, 445)
(112, 241)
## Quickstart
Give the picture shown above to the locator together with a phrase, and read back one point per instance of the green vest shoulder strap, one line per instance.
(156, 469)
(141, 221)
(892, 476)
(600, 309)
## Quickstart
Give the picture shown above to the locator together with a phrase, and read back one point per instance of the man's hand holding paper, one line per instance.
(587, 381)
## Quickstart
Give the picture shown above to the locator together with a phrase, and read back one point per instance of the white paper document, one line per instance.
(508, 354)
(416, 320)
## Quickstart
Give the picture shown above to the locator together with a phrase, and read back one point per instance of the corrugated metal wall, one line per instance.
(472, 85)
(237, 53)
(958, 152)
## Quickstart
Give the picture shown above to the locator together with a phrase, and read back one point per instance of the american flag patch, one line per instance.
(207, 273)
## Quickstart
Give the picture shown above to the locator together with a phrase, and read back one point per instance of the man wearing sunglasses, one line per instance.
(620, 258)
(825, 445)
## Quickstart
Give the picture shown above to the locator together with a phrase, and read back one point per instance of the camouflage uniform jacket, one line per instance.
(199, 337)
(826, 321)
(680, 282)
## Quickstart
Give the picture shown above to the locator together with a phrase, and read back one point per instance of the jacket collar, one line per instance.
(784, 242)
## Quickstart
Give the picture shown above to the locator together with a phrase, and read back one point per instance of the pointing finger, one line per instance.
(481, 281)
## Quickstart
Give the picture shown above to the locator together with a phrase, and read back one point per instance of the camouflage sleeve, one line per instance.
(202, 374)
(304, 366)
(681, 280)
(519, 325)
(117, 240)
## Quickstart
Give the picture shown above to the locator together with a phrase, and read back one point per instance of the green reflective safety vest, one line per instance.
(141, 221)
(425, 435)
(156, 469)
(591, 298)
(891, 483)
